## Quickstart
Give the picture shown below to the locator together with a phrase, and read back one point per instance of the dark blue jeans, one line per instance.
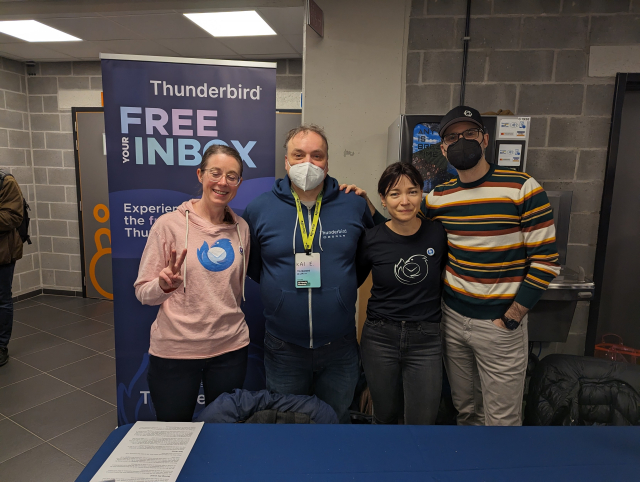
(402, 358)
(329, 372)
(174, 384)
(6, 303)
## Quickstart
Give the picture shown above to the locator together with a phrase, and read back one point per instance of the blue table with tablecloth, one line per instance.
(248, 452)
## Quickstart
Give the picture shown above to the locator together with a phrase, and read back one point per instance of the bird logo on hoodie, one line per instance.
(218, 257)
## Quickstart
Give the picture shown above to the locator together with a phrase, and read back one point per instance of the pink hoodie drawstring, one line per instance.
(244, 266)
(186, 244)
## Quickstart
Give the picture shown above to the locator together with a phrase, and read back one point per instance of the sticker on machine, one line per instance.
(509, 155)
(513, 127)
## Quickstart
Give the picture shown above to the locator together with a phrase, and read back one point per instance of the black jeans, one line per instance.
(403, 358)
(6, 303)
(174, 384)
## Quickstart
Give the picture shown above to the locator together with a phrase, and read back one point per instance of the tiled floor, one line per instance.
(58, 390)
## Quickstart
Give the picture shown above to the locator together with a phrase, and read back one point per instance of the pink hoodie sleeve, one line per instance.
(153, 261)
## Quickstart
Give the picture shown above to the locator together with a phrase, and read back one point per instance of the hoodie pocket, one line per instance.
(340, 300)
(280, 304)
(272, 298)
(330, 305)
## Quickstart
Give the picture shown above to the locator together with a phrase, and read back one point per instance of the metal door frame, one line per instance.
(624, 82)
(74, 112)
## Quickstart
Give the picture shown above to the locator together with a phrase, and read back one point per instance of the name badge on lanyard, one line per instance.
(307, 263)
(307, 270)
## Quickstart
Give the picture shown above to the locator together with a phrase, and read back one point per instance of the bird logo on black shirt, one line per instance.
(412, 271)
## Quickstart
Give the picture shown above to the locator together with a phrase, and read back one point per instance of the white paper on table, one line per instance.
(513, 128)
(509, 155)
(150, 452)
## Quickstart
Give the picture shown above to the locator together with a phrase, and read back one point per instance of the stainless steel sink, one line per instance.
(550, 320)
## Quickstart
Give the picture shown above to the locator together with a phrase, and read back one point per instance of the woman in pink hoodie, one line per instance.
(200, 333)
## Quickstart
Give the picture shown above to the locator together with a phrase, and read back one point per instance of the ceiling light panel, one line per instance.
(232, 24)
(33, 31)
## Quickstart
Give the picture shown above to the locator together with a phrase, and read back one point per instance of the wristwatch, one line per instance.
(509, 323)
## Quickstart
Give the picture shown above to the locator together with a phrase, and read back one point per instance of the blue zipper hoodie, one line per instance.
(308, 317)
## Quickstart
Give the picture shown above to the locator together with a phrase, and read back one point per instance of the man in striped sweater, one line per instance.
(502, 256)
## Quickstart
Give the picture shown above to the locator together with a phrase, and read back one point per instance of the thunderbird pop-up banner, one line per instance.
(161, 114)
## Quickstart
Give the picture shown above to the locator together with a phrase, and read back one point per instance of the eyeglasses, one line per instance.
(469, 134)
(215, 175)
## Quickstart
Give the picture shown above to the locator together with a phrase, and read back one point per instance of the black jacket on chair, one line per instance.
(575, 390)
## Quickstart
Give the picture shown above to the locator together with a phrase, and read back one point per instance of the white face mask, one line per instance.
(306, 176)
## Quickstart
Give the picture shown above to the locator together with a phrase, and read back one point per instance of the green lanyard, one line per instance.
(307, 240)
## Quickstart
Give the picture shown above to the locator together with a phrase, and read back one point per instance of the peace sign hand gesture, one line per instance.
(170, 277)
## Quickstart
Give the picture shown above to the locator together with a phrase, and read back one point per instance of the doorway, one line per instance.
(93, 202)
(616, 305)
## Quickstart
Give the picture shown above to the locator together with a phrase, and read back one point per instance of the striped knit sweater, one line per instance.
(501, 237)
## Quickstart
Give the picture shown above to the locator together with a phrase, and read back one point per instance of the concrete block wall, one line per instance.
(288, 84)
(532, 58)
(15, 158)
(54, 168)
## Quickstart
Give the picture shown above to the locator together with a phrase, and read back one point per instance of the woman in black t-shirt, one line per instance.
(400, 344)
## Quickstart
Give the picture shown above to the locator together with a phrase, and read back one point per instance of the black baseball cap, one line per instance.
(462, 113)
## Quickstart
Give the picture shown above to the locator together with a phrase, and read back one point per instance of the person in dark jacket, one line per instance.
(401, 345)
(304, 235)
(11, 213)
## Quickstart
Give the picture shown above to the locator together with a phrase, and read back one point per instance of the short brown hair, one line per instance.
(306, 128)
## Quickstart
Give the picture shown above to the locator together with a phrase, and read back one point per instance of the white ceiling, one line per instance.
(164, 32)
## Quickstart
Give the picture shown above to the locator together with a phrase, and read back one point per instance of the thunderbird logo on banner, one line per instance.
(161, 115)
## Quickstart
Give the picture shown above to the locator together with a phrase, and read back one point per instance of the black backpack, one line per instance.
(23, 229)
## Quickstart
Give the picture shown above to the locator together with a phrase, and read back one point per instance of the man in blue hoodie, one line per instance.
(304, 235)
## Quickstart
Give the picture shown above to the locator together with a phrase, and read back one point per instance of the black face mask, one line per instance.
(464, 154)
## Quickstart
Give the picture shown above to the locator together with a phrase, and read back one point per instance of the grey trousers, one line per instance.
(486, 366)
